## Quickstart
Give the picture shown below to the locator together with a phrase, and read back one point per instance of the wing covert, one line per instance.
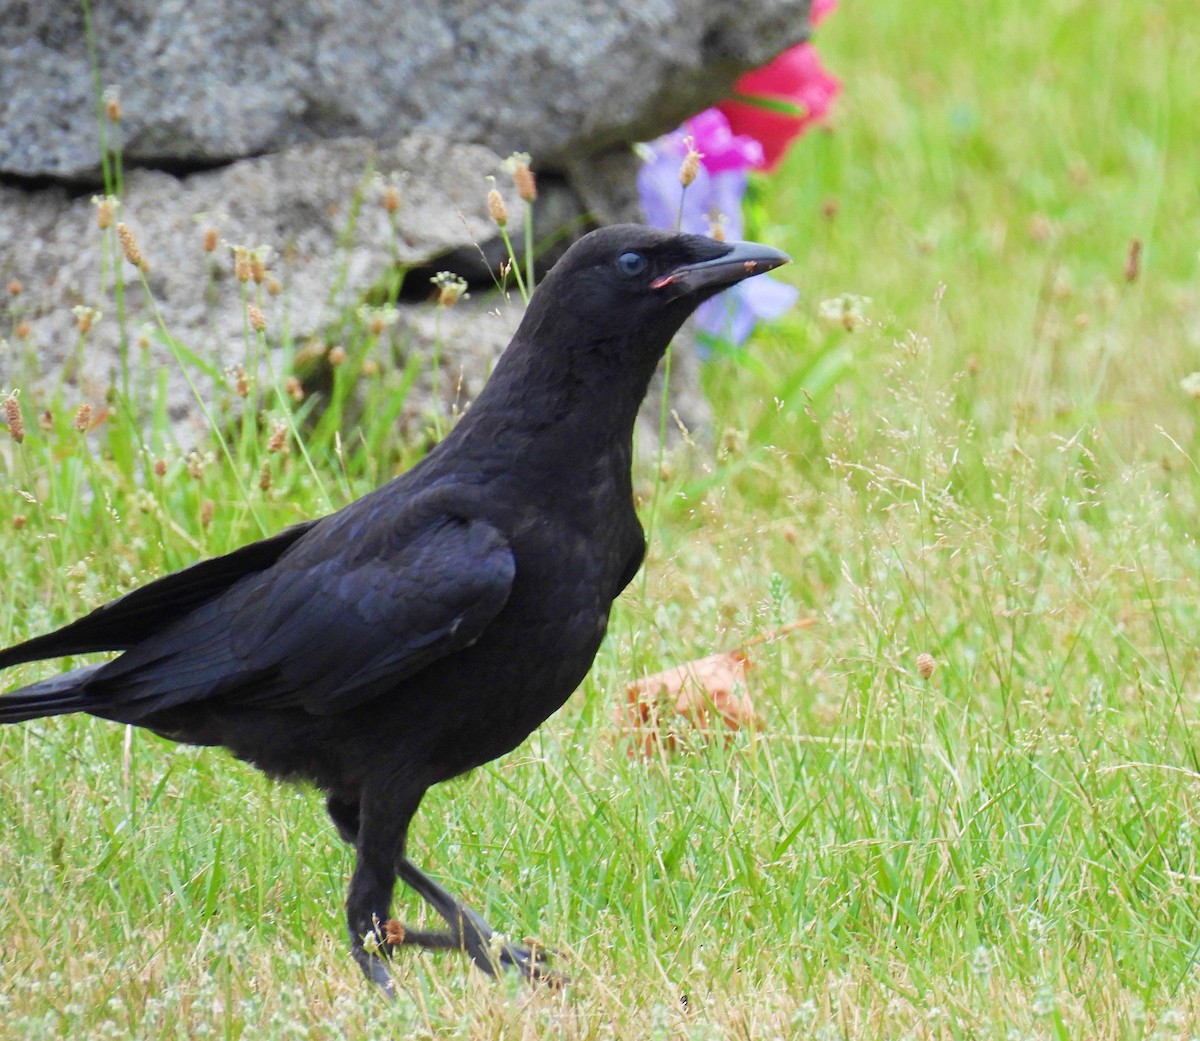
(379, 623)
(328, 633)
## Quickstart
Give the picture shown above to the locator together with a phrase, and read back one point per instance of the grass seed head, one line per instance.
(1133, 261)
(523, 177)
(378, 319)
(278, 441)
(22, 330)
(206, 513)
(926, 665)
(160, 468)
(258, 321)
(294, 388)
(496, 207)
(19, 521)
(242, 270)
(106, 206)
(85, 318)
(112, 104)
(387, 190)
(451, 288)
(83, 417)
(129, 246)
(14, 287)
(12, 414)
(336, 356)
(690, 166)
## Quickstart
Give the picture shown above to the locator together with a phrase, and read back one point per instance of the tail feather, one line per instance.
(54, 696)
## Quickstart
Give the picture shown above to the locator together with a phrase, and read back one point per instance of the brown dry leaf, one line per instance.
(702, 698)
(699, 696)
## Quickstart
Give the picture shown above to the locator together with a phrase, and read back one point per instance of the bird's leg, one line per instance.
(380, 828)
(345, 816)
(366, 912)
(470, 933)
(379, 825)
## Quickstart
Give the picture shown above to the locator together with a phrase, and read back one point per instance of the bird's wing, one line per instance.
(140, 614)
(327, 633)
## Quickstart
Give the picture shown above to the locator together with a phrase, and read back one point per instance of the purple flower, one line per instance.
(721, 150)
(710, 197)
(731, 315)
(715, 197)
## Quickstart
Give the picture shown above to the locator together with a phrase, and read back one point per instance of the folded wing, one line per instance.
(319, 632)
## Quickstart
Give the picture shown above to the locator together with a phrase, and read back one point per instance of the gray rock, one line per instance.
(263, 120)
(209, 81)
(318, 209)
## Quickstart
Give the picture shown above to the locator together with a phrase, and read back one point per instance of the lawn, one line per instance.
(970, 441)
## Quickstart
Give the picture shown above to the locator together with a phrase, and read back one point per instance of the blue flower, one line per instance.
(730, 316)
(714, 199)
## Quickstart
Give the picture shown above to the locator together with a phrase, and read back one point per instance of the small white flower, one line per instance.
(848, 311)
(451, 288)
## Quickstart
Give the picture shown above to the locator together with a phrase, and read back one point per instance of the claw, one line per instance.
(486, 948)
(469, 933)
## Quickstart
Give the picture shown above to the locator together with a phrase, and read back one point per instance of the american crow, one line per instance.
(432, 625)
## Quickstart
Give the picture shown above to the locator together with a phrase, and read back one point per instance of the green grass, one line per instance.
(998, 469)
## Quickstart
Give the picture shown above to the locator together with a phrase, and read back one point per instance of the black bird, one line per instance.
(433, 624)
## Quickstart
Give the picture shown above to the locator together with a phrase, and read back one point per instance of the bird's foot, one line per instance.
(529, 960)
(487, 948)
(372, 958)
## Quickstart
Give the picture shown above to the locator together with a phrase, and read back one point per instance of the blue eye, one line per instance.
(631, 263)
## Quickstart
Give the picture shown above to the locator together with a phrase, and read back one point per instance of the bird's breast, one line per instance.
(538, 649)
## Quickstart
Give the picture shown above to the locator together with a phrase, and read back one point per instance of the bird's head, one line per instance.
(632, 282)
(600, 321)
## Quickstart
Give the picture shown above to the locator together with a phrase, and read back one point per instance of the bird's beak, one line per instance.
(743, 260)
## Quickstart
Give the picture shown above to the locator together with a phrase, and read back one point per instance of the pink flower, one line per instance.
(720, 149)
(821, 9)
(795, 80)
